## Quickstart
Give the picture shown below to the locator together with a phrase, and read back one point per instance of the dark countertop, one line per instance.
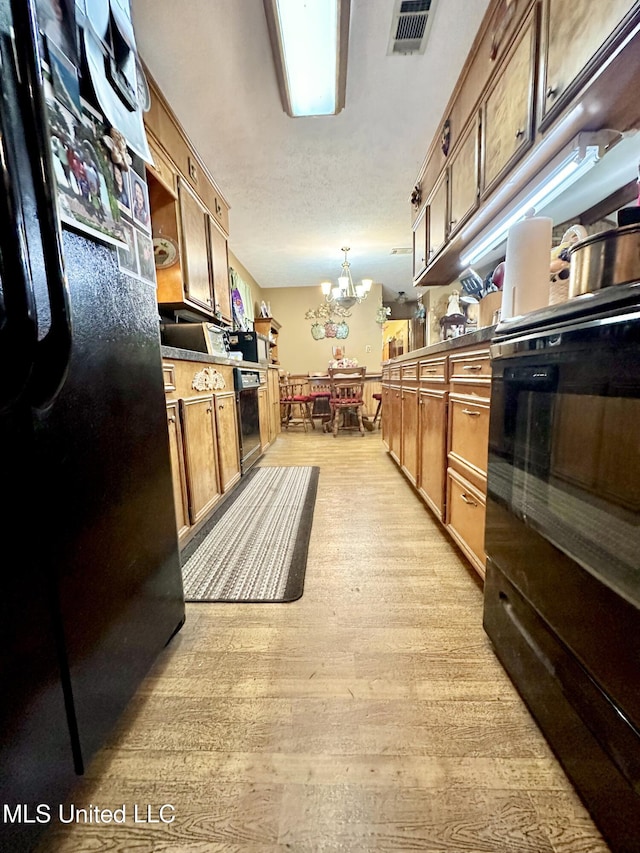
(192, 355)
(480, 336)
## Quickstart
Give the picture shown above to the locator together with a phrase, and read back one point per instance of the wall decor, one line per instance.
(445, 137)
(325, 325)
(208, 379)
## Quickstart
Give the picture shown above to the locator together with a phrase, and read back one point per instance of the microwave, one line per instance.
(198, 337)
(254, 347)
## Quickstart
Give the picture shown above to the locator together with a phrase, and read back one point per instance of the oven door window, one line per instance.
(565, 446)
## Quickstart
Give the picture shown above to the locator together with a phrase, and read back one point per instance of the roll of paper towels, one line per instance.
(526, 274)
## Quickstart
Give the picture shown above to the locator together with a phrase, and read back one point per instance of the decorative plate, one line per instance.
(317, 332)
(342, 330)
(144, 96)
(165, 252)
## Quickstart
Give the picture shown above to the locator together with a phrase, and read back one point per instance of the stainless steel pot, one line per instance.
(610, 257)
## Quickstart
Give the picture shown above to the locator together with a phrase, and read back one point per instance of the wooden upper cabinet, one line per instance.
(420, 243)
(509, 108)
(195, 247)
(437, 218)
(219, 264)
(576, 37)
(463, 177)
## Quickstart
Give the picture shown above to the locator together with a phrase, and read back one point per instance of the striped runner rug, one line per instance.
(254, 548)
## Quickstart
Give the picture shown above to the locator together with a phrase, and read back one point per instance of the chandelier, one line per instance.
(345, 294)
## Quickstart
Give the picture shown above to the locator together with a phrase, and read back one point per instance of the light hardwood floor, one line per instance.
(371, 715)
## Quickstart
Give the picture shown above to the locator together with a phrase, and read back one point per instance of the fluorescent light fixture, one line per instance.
(576, 160)
(309, 41)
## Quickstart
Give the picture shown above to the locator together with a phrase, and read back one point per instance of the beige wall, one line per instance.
(300, 353)
(257, 293)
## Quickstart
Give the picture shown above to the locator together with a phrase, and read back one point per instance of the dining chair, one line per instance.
(347, 397)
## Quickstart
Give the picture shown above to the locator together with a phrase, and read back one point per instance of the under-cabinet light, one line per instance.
(309, 43)
(575, 161)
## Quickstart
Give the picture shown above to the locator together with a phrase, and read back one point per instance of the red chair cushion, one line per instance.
(301, 398)
(315, 394)
(377, 396)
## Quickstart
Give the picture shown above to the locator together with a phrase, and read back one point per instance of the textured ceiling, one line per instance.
(300, 189)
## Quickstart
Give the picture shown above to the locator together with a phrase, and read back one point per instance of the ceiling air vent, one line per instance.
(410, 26)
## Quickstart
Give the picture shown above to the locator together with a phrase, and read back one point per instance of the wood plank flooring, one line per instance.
(369, 716)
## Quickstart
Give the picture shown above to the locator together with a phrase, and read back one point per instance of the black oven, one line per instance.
(562, 592)
(247, 383)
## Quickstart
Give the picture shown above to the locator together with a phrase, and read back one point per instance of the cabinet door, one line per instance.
(432, 432)
(575, 33)
(409, 455)
(437, 217)
(200, 455)
(263, 416)
(509, 108)
(195, 247)
(420, 243)
(274, 403)
(219, 261)
(227, 435)
(394, 434)
(385, 415)
(177, 468)
(463, 178)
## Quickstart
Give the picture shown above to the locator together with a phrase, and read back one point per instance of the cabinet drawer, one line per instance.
(410, 373)
(169, 376)
(162, 166)
(466, 510)
(394, 374)
(433, 370)
(469, 435)
(471, 367)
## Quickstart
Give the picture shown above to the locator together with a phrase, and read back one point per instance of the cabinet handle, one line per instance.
(432, 370)
(172, 419)
(471, 413)
(452, 222)
(519, 133)
(467, 500)
(221, 406)
(209, 410)
(472, 367)
(552, 91)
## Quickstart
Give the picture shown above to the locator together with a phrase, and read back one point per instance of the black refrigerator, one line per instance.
(90, 588)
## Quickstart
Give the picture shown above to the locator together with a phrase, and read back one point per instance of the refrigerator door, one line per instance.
(92, 589)
(39, 748)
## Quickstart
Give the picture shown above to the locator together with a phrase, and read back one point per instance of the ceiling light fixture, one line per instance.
(309, 42)
(345, 294)
(574, 162)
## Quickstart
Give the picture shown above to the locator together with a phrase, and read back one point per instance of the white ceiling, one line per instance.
(300, 189)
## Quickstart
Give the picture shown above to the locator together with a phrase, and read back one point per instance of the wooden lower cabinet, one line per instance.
(465, 518)
(436, 427)
(227, 439)
(263, 415)
(394, 423)
(273, 391)
(177, 469)
(409, 435)
(200, 455)
(202, 421)
(432, 436)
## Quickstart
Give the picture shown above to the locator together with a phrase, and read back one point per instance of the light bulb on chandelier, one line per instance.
(345, 294)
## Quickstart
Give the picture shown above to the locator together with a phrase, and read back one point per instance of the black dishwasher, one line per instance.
(247, 383)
